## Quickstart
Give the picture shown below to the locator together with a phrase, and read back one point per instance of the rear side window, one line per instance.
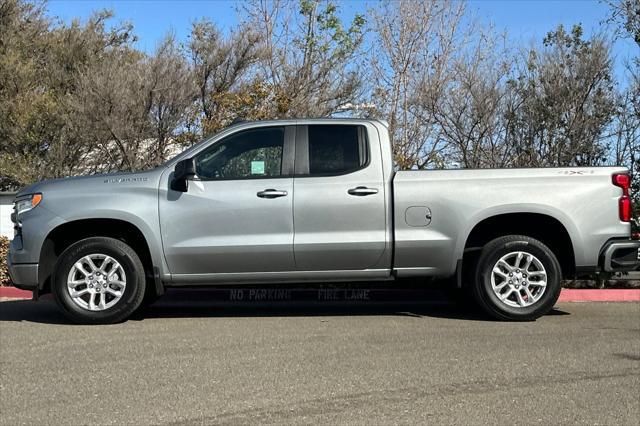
(336, 149)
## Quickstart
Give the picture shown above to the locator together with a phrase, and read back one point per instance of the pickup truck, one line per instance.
(316, 200)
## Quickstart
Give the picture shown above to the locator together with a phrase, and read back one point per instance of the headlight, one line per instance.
(28, 203)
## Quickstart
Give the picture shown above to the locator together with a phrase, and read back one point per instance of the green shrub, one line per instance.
(4, 270)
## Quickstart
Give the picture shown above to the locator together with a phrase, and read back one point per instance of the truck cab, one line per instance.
(296, 201)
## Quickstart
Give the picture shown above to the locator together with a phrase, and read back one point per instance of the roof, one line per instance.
(308, 120)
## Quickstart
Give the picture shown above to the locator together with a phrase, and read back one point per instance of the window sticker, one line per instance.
(257, 167)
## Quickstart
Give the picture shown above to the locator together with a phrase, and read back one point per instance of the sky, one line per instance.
(525, 21)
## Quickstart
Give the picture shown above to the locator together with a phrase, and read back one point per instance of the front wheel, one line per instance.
(517, 278)
(99, 280)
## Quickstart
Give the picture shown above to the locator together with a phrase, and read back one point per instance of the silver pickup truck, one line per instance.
(316, 201)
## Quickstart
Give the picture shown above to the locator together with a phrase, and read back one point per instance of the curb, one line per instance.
(567, 295)
(599, 295)
(14, 293)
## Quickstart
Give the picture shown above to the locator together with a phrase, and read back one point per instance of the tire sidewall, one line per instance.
(135, 280)
(487, 262)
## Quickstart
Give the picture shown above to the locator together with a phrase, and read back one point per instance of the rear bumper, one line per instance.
(23, 275)
(620, 255)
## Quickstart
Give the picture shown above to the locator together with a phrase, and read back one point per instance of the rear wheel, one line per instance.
(99, 280)
(517, 278)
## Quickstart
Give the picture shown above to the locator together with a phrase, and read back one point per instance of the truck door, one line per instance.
(237, 215)
(339, 204)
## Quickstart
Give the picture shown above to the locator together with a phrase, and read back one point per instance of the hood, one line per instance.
(99, 181)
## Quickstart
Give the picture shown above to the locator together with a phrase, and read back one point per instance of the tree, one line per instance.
(80, 98)
(40, 64)
(310, 56)
(169, 91)
(24, 106)
(627, 14)
(112, 108)
(222, 68)
(476, 106)
(567, 100)
(626, 129)
(133, 106)
(417, 43)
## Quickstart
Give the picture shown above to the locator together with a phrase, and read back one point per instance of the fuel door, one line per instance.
(418, 216)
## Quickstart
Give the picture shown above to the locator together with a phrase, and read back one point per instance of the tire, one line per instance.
(521, 296)
(117, 285)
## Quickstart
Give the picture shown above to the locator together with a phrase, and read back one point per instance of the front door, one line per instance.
(236, 216)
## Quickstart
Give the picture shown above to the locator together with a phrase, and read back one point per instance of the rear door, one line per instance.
(339, 204)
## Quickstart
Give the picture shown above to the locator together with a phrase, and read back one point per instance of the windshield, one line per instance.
(185, 153)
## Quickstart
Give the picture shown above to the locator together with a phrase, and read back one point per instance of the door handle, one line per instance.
(362, 190)
(272, 193)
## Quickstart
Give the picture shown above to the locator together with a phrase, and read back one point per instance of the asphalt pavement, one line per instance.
(352, 364)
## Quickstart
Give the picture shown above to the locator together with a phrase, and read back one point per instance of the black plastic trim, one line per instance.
(158, 281)
(607, 260)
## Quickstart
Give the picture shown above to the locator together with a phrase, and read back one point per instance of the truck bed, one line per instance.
(583, 200)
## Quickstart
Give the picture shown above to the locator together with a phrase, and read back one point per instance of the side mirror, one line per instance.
(184, 170)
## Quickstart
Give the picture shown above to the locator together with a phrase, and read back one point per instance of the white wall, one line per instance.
(6, 208)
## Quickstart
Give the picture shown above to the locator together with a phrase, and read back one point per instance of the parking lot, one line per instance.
(349, 364)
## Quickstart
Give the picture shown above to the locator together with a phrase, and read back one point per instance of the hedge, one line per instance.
(4, 270)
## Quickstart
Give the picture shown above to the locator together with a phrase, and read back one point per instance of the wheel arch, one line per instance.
(546, 228)
(64, 235)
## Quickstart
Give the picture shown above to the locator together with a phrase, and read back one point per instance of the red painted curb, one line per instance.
(599, 295)
(567, 295)
(15, 293)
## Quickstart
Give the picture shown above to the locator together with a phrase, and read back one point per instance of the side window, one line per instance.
(336, 149)
(247, 154)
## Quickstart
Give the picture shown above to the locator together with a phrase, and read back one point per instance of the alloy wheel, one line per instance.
(96, 282)
(519, 279)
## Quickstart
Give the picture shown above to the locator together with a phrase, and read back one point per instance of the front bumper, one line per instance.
(23, 275)
(620, 256)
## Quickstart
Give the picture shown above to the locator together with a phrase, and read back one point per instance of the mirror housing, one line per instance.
(183, 172)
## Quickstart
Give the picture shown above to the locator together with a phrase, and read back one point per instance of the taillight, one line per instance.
(623, 180)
